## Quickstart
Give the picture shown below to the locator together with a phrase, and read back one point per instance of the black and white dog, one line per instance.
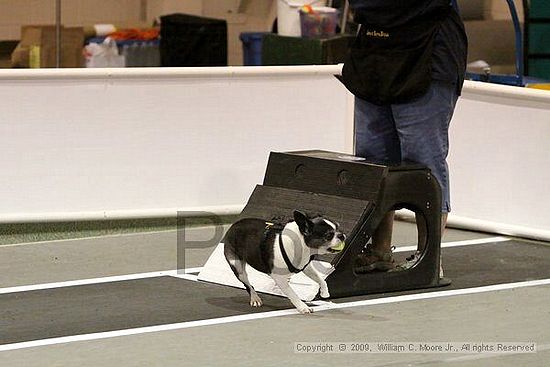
(279, 252)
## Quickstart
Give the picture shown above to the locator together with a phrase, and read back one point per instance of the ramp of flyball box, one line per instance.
(275, 204)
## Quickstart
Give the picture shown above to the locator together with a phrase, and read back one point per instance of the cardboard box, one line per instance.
(37, 48)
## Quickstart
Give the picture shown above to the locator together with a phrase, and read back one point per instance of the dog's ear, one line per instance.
(304, 223)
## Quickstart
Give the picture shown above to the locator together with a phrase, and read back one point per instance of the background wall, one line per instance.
(157, 139)
(241, 15)
(499, 9)
(499, 155)
(14, 14)
(483, 26)
(159, 7)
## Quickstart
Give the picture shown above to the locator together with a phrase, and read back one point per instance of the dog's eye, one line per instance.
(329, 235)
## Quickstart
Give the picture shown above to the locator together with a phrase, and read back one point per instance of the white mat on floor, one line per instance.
(217, 270)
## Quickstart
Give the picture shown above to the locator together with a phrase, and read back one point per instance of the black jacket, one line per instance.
(449, 50)
(390, 13)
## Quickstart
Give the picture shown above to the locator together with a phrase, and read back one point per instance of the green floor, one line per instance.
(38, 232)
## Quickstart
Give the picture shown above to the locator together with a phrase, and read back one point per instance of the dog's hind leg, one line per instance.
(238, 267)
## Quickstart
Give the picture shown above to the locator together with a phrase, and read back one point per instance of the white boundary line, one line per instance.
(270, 314)
(185, 273)
(480, 241)
(72, 283)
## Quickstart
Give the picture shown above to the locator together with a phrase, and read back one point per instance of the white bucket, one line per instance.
(288, 16)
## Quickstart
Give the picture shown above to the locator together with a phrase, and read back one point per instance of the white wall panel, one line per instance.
(81, 141)
(100, 144)
(500, 156)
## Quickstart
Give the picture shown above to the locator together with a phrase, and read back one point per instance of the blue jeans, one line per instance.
(416, 131)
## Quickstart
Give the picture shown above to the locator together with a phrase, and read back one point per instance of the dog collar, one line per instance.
(288, 263)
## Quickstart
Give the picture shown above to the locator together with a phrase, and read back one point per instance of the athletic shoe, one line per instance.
(411, 260)
(373, 260)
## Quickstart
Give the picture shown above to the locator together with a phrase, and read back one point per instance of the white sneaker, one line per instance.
(411, 260)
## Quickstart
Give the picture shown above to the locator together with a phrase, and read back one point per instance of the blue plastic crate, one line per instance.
(252, 47)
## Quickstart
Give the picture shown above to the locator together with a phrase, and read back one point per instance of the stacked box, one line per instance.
(538, 38)
(37, 48)
(187, 40)
(282, 50)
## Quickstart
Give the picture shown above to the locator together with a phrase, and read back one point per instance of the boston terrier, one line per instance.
(280, 251)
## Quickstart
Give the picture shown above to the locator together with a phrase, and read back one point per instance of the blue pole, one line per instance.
(519, 42)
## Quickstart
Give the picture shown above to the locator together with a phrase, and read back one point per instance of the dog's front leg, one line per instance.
(316, 277)
(282, 282)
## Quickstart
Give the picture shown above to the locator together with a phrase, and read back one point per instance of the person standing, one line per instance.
(406, 69)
